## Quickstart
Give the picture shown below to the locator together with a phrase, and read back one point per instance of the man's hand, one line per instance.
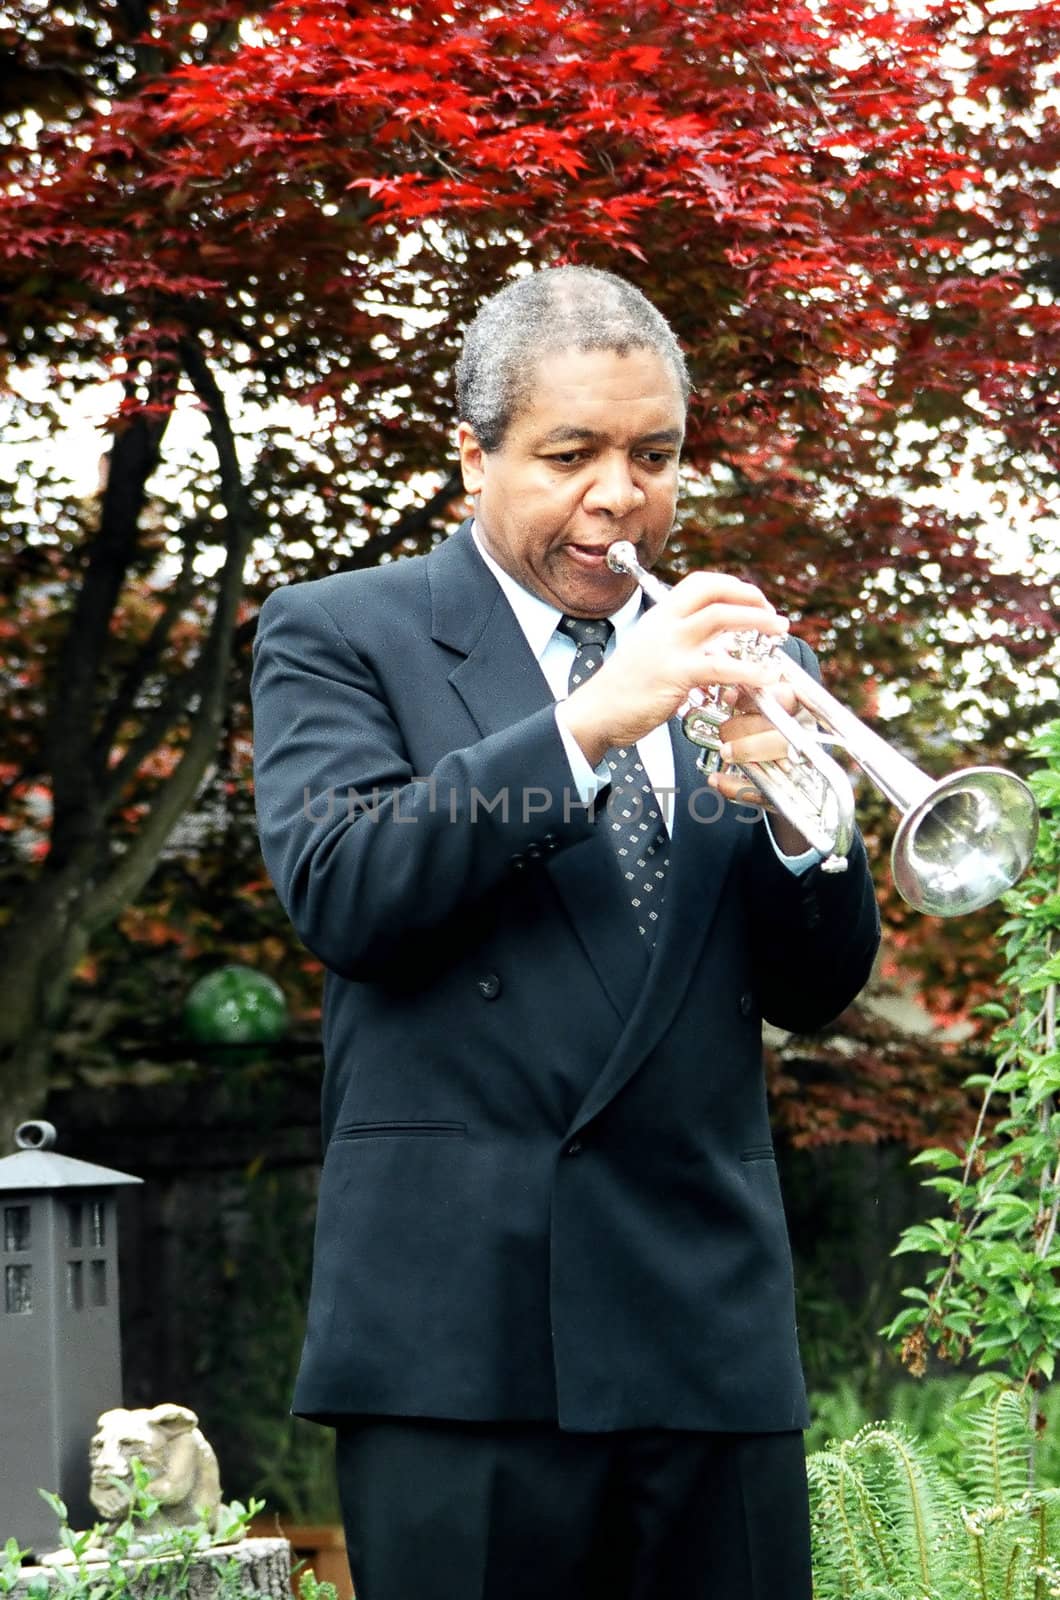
(674, 648)
(750, 737)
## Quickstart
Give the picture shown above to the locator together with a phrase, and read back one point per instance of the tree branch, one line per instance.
(176, 699)
(68, 733)
(408, 525)
(210, 672)
(147, 657)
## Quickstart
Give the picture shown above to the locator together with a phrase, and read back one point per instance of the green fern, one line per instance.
(993, 1467)
(889, 1520)
(880, 1509)
(918, 1499)
(850, 1539)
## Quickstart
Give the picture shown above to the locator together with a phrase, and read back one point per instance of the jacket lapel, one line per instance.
(498, 679)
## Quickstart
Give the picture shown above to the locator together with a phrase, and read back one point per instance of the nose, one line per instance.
(614, 491)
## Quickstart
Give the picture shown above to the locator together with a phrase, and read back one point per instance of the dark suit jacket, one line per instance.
(549, 1187)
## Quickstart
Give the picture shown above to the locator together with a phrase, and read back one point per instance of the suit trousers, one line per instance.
(513, 1511)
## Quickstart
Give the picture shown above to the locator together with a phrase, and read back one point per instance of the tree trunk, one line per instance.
(39, 951)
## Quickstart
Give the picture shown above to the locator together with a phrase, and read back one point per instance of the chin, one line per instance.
(108, 1501)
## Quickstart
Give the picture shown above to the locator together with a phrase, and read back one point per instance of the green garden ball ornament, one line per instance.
(235, 1005)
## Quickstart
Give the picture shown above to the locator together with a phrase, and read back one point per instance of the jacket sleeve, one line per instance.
(365, 853)
(814, 937)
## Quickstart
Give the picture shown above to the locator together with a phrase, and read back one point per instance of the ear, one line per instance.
(472, 458)
(174, 1418)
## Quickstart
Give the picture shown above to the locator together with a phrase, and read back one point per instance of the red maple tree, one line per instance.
(847, 215)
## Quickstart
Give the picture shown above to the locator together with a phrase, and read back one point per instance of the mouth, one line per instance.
(593, 557)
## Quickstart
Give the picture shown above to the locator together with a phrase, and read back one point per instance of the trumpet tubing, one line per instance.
(961, 841)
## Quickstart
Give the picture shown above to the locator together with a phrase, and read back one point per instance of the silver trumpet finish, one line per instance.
(961, 841)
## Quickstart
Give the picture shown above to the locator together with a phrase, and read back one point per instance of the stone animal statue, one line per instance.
(181, 1464)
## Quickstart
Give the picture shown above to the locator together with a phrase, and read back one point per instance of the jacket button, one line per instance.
(489, 986)
(573, 1148)
(747, 1005)
(532, 852)
(518, 862)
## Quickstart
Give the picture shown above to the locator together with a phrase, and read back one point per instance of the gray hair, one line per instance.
(559, 308)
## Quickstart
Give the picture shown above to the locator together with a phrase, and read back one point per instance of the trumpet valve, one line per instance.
(700, 724)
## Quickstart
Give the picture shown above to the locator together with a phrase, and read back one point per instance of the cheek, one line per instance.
(662, 488)
(556, 503)
(530, 517)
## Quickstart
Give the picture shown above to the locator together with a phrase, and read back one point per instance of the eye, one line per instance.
(566, 458)
(657, 458)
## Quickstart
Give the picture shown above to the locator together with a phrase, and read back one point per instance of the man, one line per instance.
(551, 1316)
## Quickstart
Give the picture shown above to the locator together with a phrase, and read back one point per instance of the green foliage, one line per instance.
(947, 1509)
(879, 1511)
(994, 1298)
(11, 1558)
(890, 1522)
(939, 1412)
(309, 1588)
(125, 1560)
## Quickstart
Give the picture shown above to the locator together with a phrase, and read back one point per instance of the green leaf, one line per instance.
(982, 1383)
(919, 1238)
(1011, 1205)
(952, 1188)
(1047, 974)
(902, 1323)
(57, 1505)
(938, 1156)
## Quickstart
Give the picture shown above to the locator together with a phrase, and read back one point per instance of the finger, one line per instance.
(744, 723)
(743, 726)
(728, 617)
(702, 589)
(718, 668)
(768, 745)
(745, 704)
(737, 788)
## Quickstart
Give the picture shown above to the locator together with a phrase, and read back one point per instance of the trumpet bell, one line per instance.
(965, 842)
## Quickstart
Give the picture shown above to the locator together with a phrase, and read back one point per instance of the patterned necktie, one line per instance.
(635, 828)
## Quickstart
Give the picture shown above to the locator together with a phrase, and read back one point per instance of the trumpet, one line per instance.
(961, 841)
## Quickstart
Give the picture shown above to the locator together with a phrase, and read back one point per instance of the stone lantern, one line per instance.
(60, 1348)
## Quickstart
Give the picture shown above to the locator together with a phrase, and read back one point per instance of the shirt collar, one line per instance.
(537, 618)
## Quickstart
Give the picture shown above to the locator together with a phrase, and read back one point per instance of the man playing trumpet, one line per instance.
(552, 1316)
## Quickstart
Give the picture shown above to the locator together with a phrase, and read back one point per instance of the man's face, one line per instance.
(590, 459)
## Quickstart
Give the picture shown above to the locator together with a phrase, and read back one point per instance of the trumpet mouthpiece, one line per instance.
(622, 557)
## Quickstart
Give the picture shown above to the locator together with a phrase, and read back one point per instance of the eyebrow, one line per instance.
(567, 435)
